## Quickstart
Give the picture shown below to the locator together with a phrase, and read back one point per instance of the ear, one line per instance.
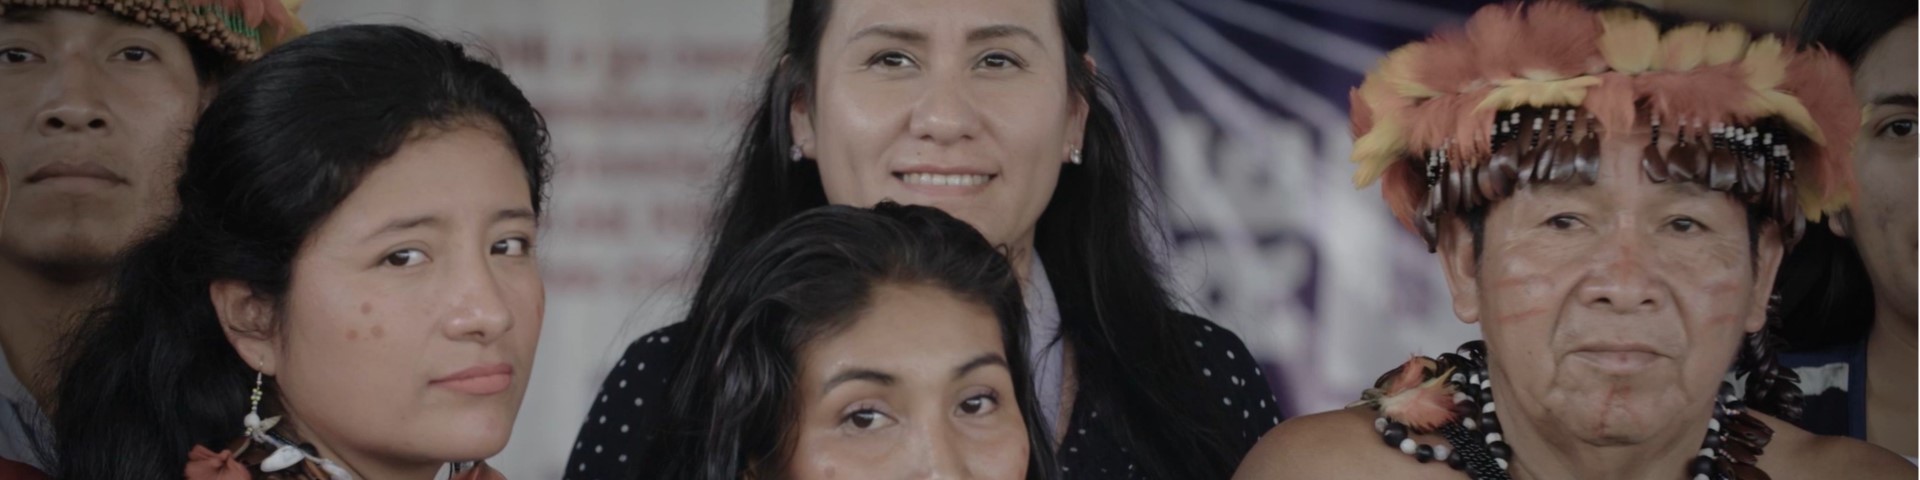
(1461, 268)
(247, 318)
(799, 115)
(1080, 109)
(1841, 224)
(1768, 250)
(207, 91)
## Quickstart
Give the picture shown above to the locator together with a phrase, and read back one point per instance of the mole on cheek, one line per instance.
(366, 309)
(353, 334)
(379, 332)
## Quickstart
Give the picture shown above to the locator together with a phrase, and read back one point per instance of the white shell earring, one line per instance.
(1073, 156)
(794, 154)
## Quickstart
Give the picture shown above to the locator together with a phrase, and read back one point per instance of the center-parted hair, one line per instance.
(151, 374)
(735, 405)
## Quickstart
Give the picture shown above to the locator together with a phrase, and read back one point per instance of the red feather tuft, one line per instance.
(1361, 116)
(1613, 102)
(1561, 39)
(1821, 83)
(1448, 63)
(1421, 403)
(1716, 93)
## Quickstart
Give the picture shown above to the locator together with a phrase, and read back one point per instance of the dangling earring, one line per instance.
(1073, 156)
(254, 425)
(795, 154)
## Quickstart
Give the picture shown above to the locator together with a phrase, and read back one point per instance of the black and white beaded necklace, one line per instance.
(1733, 443)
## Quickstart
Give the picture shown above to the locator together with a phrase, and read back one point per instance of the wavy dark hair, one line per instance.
(151, 374)
(1826, 297)
(1120, 319)
(806, 279)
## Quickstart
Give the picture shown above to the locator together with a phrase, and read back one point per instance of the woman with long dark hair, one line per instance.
(883, 343)
(308, 313)
(991, 111)
(1847, 292)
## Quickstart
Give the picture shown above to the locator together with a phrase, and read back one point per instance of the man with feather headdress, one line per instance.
(1610, 192)
(97, 101)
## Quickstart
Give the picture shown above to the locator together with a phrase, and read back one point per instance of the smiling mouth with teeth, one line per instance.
(952, 180)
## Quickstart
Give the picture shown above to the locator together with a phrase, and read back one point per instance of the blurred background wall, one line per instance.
(1240, 108)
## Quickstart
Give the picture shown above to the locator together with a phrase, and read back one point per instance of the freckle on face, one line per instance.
(353, 334)
(366, 308)
(379, 332)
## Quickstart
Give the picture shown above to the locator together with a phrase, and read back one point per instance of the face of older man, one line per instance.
(1612, 311)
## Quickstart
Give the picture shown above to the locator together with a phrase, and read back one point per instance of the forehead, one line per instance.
(66, 20)
(911, 323)
(944, 17)
(1888, 67)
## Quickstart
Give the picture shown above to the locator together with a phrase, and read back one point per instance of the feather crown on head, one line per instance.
(1429, 125)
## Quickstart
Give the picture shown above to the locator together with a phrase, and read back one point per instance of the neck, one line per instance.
(1890, 372)
(1020, 255)
(1542, 449)
(36, 310)
(367, 464)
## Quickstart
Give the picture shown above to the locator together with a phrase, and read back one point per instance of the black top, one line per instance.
(619, 426)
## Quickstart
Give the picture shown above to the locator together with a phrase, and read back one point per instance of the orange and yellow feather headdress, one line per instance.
(1454, 122)
(243, 29)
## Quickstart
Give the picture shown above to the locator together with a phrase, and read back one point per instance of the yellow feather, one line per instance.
(1777, 103)
(1514, 93)
(1397, 69)
(1682, 48)
(1726, 43)
(1377, 150)
(1629, 42)
(1764, 65)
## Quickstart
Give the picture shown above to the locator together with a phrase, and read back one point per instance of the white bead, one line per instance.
(1469, 423)
(1713, 425)
(1440, 452)
(282, 458)
(1459, 397)
(1502, 462)
(1407, 446)
(1706, 452)
(1488, 408)
(1701, 477)
(1379, 425)
(1493, 437)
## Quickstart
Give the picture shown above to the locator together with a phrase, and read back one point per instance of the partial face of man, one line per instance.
(95, 113)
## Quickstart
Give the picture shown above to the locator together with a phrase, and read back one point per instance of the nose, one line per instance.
(1621, 278)
(943, 460)
(478, 311)
(74, 105)
(945, 113)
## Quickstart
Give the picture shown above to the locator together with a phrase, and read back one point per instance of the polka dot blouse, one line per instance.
(619, 426)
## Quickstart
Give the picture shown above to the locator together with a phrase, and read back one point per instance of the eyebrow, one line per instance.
(859, 374)
(1897, 99)
(435, 221)
(982, 34)
(985, 359)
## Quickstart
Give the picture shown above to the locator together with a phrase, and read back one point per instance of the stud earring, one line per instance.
(1073, 156)
(794, 154)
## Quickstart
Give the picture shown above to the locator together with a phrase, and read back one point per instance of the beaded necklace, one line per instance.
(1733, 442)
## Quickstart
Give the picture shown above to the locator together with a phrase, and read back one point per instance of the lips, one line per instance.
(1618, 358)
(944, 180)
(478, 380)
(82, 170)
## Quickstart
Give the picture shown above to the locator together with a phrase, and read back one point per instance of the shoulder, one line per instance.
(1336, 444)
(1797, 453)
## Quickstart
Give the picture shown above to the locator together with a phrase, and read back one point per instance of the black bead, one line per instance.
(1485, 396)
(1700, 466)
(1489, 423)
(1423, 453)
(1500, 450)
(1457, 461)
(1394, 433)
(1712, 441)
(1472, 391)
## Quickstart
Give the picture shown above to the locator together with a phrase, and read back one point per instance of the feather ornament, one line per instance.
(1628, 41)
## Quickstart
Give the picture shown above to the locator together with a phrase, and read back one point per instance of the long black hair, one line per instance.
(1121, 321)
(151, 374)
(1825, 294)
(806, 279)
